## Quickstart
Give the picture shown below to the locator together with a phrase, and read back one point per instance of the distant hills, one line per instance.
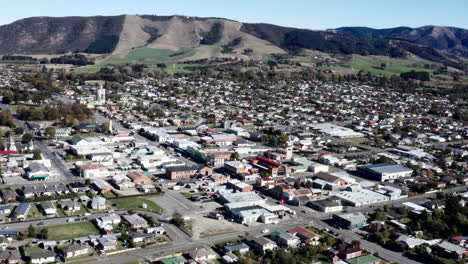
(218, 38)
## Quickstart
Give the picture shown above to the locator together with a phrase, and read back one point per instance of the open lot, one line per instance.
(135, 203)
(73, 230)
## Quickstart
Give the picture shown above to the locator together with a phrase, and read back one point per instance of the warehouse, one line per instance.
(360, 197)
(385, 171)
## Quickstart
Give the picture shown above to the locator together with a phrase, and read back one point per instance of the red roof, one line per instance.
(8, 152)
(268, 161)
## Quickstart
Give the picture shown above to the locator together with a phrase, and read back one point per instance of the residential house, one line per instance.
(139, 237)
(48, 208)
(306, 236)
(102, 186)
(262, 244)
(70, 206)
(10, 256)
(98, 203)
(107, 242)
(288, 240)
(135, 221)
(138, 178)
(42, 257)
(9, 196)
(202, 254)
(242, 248)
(75, 250)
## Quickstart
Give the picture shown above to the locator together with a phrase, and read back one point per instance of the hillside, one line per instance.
(130, 38)
(450, 39)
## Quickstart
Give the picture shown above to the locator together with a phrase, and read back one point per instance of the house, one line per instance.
(242, 248)
(158, 230)
(93, 170)
(42, 257)
(344, 251)
(306, 236)
(172, 260)
(87, 127)
(409, 241)
(122, 182)
(5, 209)
(37, 171)
(460, 240)
(287, 240)
(48, 208)
(453, 250)
(108, 222)
(78, 187)
(139, 237)
(10, 256)
(98, 203)
(349, 220)
(262, 244)
(70, 206)
(22, 210)
(75, 250)
(107, 242)
(202, 254)
(9, 196)
(138, 178)
(135, 221)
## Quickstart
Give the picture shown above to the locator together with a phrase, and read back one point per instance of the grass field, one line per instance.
(393, 66)
(29, 250)
(135, 203)
(72, 230)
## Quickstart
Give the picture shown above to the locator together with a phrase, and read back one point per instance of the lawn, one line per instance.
(72, 230)
(358, 140)
(29, 250)
(34, 213)
(135, 203)
(393, 66)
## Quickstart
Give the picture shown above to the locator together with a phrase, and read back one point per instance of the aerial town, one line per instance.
(182, 169)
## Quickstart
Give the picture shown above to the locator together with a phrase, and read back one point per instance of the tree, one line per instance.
(236, 156)
(380, 216)
(37, 154)
(50, 132)
(19, 130)
(44, 233)
(32, 231)
(177, 219)
(26, 138)
(105, 127)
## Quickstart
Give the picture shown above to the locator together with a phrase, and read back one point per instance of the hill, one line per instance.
(450, 39)
(130, 38)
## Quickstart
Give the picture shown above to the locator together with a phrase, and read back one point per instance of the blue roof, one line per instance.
(9, 232)
(22, 208)
(386, 168)
(235, 247)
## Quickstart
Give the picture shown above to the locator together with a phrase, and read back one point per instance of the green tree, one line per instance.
(50, 132)
(177, 219)
(26, 138)
(32, 231)
(380, 216)
(37, 154)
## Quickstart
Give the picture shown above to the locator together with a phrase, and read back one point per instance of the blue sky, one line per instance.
(313, 14)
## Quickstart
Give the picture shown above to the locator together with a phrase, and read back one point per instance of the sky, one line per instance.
(311, 14)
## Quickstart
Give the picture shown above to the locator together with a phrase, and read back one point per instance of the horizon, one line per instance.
(314, 15)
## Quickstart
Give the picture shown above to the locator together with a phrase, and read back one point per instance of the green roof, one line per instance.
(365, 259)
(275, 234)
(172, 260)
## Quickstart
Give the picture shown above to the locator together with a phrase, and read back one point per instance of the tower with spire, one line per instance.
(11, 144)
(101, 95)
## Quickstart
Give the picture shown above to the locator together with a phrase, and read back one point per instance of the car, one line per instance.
(40, 223)
(70, 220)
(265, 231)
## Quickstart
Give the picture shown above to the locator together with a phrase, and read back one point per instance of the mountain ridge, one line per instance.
(119, 35)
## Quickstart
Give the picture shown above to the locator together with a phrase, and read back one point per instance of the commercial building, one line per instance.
(358, 197)
(385, 171)
(349, 220)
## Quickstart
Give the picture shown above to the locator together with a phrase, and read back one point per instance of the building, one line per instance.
(102, 186)
(330, 178)
(262, 244)
(186, 172)
(384, 171)
(90, 171)
(350, 220)
(101, 95)
(135, 221)
(242, 248)
(138, 178)
(37, 171)
(202, 254)
(239, 186)
(41, 257)
(358, 196)
(306, 236)
(22, 210)
(10, 256)
(48, 208)
(329, 205)
(98, 203)
(9, 196)
(75, 250)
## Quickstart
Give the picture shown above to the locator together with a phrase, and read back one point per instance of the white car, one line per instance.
(265, 231)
